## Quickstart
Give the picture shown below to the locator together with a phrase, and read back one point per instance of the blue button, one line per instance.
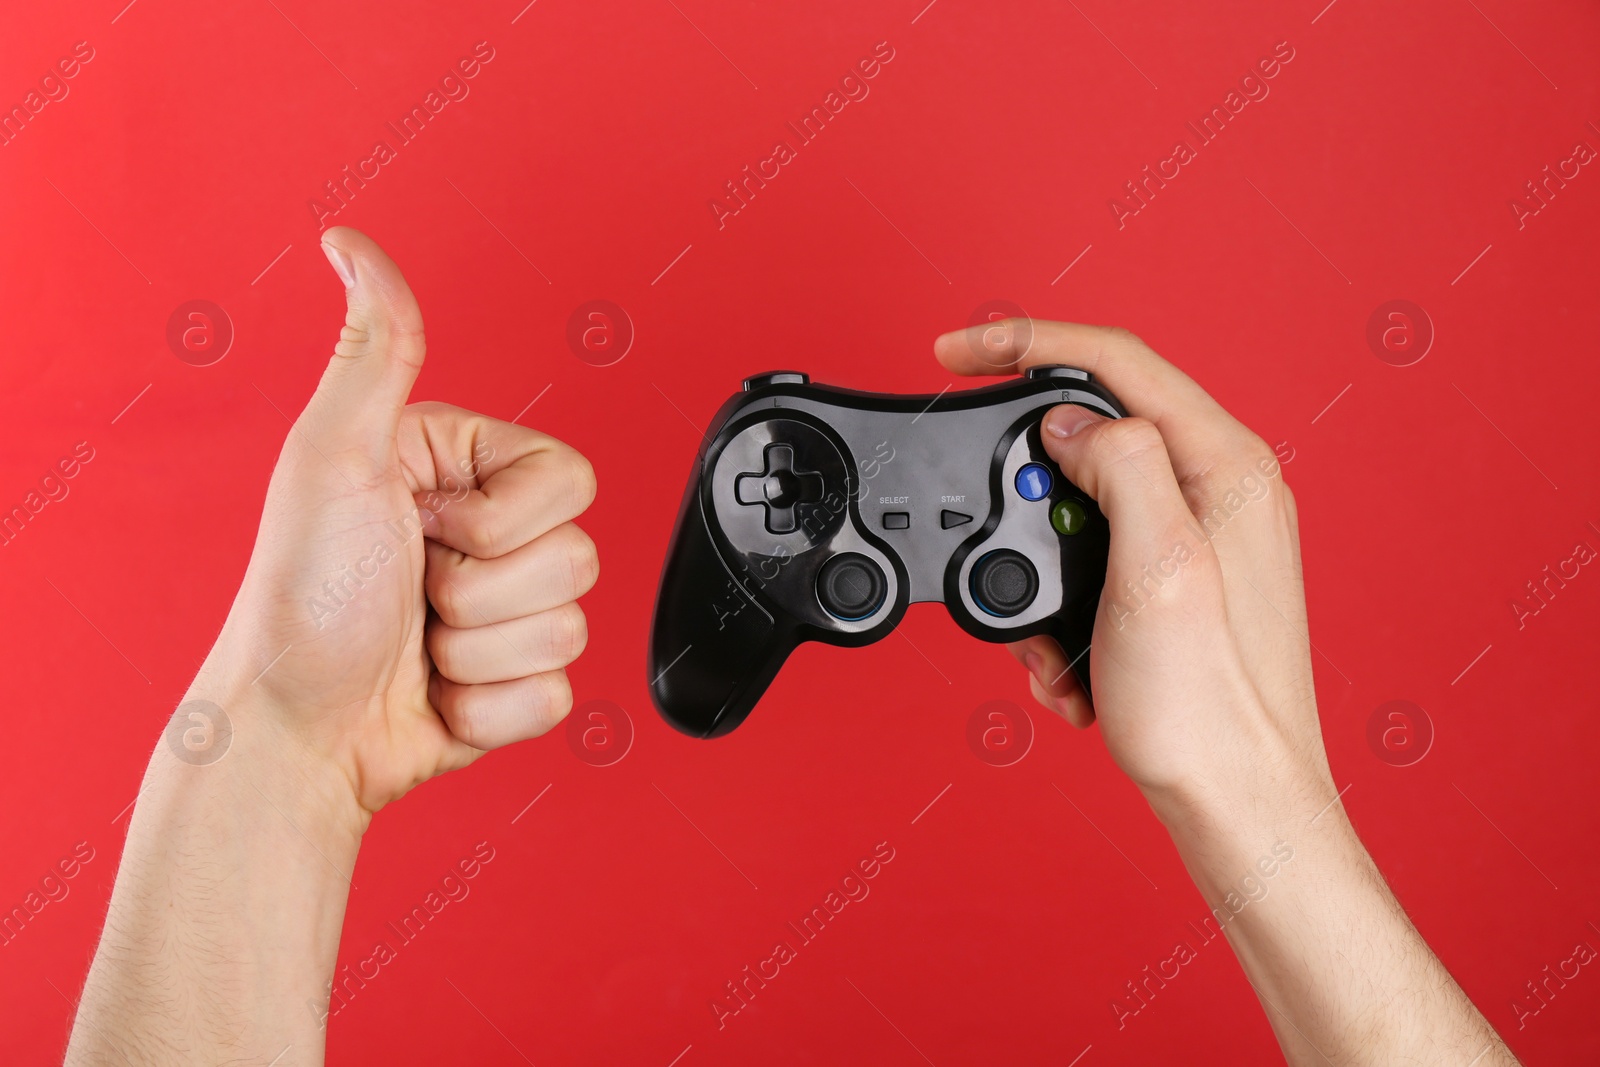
(1033, 481)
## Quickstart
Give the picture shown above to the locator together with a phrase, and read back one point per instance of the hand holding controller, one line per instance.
(819, 514)
(1204, 695)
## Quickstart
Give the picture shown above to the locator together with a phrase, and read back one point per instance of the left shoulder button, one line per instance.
(776, 377)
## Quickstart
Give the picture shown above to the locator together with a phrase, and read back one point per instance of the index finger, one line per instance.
(1199, 432)
(489, 487)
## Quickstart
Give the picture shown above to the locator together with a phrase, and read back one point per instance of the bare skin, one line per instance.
(1203, 693)
(225, 919)
(411, 604)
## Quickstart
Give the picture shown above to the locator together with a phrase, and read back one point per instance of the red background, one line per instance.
(1383, 163)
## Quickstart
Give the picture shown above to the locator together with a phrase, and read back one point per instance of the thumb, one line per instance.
(1123, 464)
(380, 349)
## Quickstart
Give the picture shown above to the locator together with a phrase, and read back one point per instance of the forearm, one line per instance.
(224, 922)
(1341, 972)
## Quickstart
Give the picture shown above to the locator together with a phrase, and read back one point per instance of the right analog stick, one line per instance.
(1004, 582)
(851, 586)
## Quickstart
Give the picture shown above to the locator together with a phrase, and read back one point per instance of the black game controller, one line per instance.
(819, 514)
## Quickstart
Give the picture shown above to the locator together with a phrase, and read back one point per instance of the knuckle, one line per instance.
(1130, 438)
(447, 598)
(425, 408)
(444, 648)
(574, 634)
(1120, 337)
(403, 329)
(1179, 533)
(557, 698)
(467, 719)
(1010, 332)
(354, 336)
(581, 478)
(461, 714)
(583, 561)
(1254, 454)
(1286, 499)
(1287, 512)
(1246, 470)
(485, 536)
(565, 634)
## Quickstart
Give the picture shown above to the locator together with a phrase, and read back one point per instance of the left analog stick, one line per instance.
(850, 586)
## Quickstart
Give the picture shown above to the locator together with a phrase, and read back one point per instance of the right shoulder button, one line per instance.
(1056, 370)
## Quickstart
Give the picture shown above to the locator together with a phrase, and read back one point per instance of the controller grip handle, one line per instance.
(713, 647)
(1073, 630)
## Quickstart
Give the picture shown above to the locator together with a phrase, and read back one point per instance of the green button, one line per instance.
(1068, 517)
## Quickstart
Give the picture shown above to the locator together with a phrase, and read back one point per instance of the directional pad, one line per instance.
(780, 488)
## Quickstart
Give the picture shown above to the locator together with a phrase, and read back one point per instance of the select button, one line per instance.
(897, 520)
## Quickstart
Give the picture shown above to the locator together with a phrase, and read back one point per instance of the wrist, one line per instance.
(1255, 788)
(272, 733)
(234, 746)
(1273, 826)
